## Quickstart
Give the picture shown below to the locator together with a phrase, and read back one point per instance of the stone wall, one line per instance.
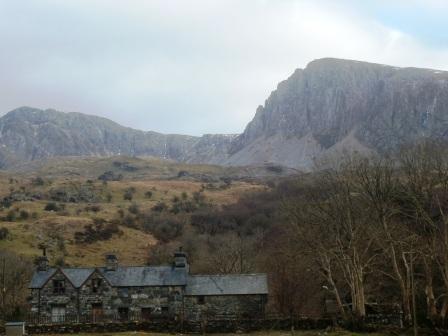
(161, 325)
(103, 295)
(224, 307)
(166, 300)
(79, 303)
(44, 299)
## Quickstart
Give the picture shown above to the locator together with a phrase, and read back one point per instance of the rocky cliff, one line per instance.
(28, 134)
(330, 107)
(335, 105)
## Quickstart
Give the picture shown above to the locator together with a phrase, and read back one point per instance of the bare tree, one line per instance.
(379, 185)
(425, 185)
(15, 274)
(231, 253)
(334, 224)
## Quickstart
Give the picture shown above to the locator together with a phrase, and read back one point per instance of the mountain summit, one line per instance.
(335, 105)
(327, 108)
(28, 134)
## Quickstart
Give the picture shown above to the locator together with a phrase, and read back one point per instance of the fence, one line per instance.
(173, 326)
(55, 319)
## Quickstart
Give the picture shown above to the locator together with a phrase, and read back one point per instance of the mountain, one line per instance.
(330, 107)
(28, 134)
(336, 105)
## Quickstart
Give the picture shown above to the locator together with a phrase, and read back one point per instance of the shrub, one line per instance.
(198, 197)
(134, 208)
(159, 207)
(92, 207)
(52, 206)
(24, 215)
(164, 227)
(38, 181)
(129, 221)
(10, 216)
(6, 202)
(126, 166)
(4, 233)
(110, 176)
(148, 194)
(184, 206)
(129, 194)
(75, 193)
(120, 213)
(97, 231)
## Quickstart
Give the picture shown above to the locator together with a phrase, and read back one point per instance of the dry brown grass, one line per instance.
(132, 246)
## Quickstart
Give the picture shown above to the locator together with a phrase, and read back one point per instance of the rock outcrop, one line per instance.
(330, 107)
(28, 134)
(336, 105)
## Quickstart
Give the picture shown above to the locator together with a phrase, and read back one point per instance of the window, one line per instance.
(201, 299)
(123, 313)
(123, 292)
(146, 313)
(58, 314)
(58, 286)
(96, 284)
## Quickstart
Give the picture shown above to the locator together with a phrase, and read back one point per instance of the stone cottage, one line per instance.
(116, 292)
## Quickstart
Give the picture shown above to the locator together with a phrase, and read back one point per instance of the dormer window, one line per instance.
(58, 286)
(96, 284)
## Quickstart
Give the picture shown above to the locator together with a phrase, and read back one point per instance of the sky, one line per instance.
(196, 66)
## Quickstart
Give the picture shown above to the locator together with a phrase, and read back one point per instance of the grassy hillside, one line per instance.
(49, 202)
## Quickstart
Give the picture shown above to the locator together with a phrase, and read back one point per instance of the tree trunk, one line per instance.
(431, 309)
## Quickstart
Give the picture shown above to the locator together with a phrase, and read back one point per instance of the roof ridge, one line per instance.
(137, 266)
(229, 274)
(103, 266)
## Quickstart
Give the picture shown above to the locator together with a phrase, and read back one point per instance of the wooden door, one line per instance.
(97, 311)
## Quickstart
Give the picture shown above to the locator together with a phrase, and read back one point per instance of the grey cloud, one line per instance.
(178, 66)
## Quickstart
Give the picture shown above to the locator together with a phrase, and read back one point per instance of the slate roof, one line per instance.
(229, 284)
(126, 276)
(77, 276)
(146, 276)
(40, 278)
(136, 276)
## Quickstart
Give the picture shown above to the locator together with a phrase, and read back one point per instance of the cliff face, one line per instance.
(336, 105)
(330, 107)
(28, 134)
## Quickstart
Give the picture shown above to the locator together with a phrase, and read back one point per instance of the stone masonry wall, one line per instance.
(224, 307)
(47, 299)
(161, 300)
(104, 295)
(212, 326)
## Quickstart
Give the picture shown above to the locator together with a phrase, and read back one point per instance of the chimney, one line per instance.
(111, 262)
(180, 260)
(42, 261)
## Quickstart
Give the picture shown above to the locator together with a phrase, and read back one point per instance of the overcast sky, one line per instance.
(196, 66)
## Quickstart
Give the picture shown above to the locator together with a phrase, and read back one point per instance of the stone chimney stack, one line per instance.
(180, 260)
(111, 262)
(42, 261)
